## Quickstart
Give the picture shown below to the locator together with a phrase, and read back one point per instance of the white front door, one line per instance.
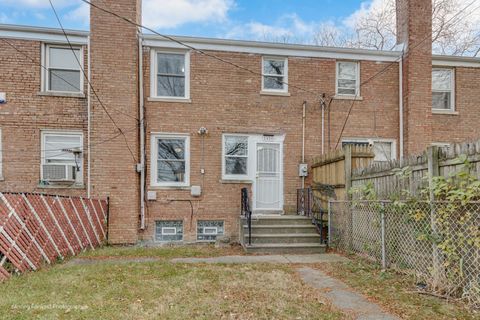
(268, 185)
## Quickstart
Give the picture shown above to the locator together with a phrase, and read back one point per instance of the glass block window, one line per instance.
(209, 230)
(169, 231)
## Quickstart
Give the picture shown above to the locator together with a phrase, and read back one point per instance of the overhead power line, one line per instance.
(91, 86)
(397, 61)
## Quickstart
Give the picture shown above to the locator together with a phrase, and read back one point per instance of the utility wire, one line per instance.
(53, 73)
(91, 86)
(173, 39)
(396, 61)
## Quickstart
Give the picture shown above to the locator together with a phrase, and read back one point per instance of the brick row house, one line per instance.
(171, 135)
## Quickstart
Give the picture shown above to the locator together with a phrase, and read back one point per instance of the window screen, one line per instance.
(236, 155)
(442, 89)
(63, 69)
(347, 78)
(170, 75)
(274, 74)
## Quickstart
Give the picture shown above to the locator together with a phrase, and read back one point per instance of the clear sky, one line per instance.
(242, 19)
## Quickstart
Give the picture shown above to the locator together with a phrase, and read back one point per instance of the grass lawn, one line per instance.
(160, 289)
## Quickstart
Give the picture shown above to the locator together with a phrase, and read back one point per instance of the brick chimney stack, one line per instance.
(114, 72)
(414, 31)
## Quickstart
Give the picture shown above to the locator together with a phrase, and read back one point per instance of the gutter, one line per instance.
(142, 131)
(89, 123)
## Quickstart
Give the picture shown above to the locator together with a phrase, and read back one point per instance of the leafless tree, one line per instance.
(374, 27)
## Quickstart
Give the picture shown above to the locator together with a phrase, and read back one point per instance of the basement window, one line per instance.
(62, 71)
(61, 158)
(275, 74)
(170, 160)
(235, 157)
(348, 78)
(209, 230)
(384, 149)
(443, 83)
(169, 231)
(170, 74)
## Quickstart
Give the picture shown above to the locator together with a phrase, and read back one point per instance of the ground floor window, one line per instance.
(169, 230)
(208, 230)
(384, 149)
(61, 157)
(170, 160)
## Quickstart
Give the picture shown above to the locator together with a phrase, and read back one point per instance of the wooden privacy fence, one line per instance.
(386, 180)
(332, 171)
(36, 229)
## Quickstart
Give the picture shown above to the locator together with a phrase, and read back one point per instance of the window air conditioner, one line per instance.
(59, 172)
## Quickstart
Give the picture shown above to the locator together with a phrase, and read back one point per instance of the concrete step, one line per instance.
(281, 220)
(284, 238)
(294, 248)
(280, 229)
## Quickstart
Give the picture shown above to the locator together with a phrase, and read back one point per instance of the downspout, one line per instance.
(89, 123)
(400, 99)
(142, 132)
(303, 138)
(322, 105)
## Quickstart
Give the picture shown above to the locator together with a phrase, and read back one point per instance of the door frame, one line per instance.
(267, 139)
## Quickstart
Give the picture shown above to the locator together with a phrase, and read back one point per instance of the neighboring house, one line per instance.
(212, 128)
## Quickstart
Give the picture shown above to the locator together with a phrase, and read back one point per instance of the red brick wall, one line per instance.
(463, 125)
(114, 50)
(414, 30)
(228, 100)
(27, 113)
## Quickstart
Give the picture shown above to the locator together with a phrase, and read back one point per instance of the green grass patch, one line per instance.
(395, 291)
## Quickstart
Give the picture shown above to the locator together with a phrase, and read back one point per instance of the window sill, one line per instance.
(446, 112)
(345, 97)
(274, 93)
(60, 186)
(227, 181)
(181, 100)
(169, 188)
(62, 94)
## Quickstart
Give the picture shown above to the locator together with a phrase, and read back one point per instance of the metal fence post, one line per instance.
(384, 249)
(329, 235)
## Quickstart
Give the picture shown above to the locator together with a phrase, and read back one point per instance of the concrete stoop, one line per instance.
(281, 234)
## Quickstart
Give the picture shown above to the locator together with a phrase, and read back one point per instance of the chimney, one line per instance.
(414, 31)
(114, 77)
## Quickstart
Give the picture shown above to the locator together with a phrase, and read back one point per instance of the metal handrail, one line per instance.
(247, 212)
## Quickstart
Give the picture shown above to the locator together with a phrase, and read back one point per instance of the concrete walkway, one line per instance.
(287, 258)
(342, 297)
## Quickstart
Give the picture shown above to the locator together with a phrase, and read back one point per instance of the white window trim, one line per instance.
(44, 133)
(371, 141)
(236, 176)
(46, 63)
(285, 74)
(452, 98)
(357, 80)
(153, 159)
(153, 74)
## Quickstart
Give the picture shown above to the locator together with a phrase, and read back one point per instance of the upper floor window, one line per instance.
(63, 72)
(348, 78)
(171, 75)
(275, 74)
(61, 157)
(443, 89)
(170, 160)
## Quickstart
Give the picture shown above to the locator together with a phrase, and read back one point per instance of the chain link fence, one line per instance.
(437, 242)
